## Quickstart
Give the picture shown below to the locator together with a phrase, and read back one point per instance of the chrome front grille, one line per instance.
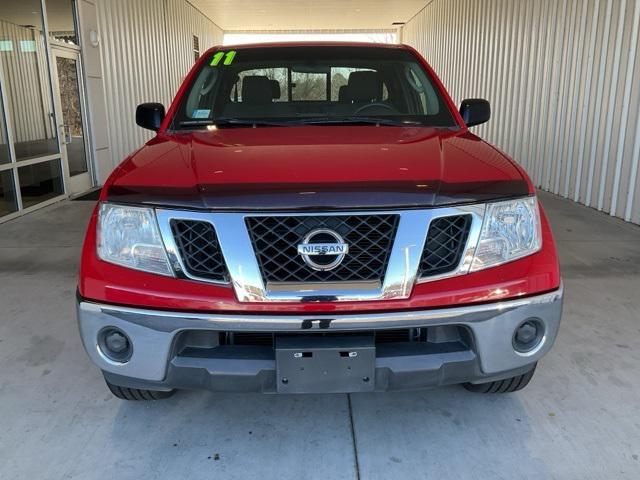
(257, 255)
(444, 245)
(275, 240)
(199, 249)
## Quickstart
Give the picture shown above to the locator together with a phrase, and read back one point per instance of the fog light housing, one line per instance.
(528, 335)
(115, 344)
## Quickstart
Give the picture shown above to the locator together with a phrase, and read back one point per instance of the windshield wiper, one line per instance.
(256, 122)
(356, 120)
(241, 122)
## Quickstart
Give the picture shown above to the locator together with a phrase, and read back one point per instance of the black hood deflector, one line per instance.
(292, 197)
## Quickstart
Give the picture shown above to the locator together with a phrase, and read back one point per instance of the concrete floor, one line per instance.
(578, 419)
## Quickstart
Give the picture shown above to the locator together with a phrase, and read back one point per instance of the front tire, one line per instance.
(125, 393)
(508, 385)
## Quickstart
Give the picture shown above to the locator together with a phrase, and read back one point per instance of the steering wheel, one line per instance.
(364, 107)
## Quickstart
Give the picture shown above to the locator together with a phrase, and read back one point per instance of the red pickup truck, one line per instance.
(312, 218)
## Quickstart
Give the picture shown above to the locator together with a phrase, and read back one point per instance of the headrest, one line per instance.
(275, 89)
(364, 86)
(256, 89)
(343, 94)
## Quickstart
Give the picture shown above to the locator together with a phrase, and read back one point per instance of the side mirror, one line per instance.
(150, 115)
(475, 111)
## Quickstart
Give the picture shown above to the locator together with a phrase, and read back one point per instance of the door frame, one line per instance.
(85, 181)
(14, 165)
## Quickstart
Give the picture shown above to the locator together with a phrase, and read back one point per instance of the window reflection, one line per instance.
(24, 63)
(4, 141)
(67, 69)
(7, 193)
(61, 21)
(40, 182)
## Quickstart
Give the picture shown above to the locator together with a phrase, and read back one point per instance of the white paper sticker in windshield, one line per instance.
(203, 113)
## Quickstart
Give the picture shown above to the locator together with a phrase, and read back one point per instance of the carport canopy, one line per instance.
(307, 15)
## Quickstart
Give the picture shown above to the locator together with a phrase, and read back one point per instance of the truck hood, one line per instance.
(312, 167)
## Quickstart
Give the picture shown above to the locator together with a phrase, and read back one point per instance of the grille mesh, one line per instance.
(199, 249)
(276, 239)
(445, 244)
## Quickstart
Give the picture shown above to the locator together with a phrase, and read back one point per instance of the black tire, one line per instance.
(507, 385)
(125, 393)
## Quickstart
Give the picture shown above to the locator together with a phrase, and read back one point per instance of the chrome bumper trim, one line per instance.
(152, 331)
(168, 321)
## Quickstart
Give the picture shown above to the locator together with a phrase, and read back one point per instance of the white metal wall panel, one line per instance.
(562, 79)
(146, 48)
(183, 22)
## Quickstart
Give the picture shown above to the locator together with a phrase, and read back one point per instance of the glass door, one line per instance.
(71, 123)
(31, 170)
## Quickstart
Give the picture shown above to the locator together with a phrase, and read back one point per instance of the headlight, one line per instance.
(129, 236)
(510, 230)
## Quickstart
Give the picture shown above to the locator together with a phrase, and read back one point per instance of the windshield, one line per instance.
(314, 85)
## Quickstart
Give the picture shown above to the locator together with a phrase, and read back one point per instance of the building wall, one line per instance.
(146, 49)
(562, 79)
(184, 21)
(94, 85)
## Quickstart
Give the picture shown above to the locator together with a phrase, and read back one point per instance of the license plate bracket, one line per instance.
(316, 364)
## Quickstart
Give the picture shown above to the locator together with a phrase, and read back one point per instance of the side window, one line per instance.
(340, 78)
(419, 82)
(308, 86)
(417, 86)
(278, 76)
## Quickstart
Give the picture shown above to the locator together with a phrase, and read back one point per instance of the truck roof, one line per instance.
(311, 44)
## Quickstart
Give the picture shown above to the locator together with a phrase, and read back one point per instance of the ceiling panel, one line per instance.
(308, 15)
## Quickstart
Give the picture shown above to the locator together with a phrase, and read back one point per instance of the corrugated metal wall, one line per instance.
(184, 21)
(147, 49)
(562, 78)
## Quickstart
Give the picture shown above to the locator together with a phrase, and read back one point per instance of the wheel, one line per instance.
(507, 385)
(125, 393)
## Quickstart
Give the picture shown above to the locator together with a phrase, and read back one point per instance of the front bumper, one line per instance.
(160, 360)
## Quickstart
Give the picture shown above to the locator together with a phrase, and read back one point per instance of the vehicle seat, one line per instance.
(258, 95)
(343, 94)
(275, 89)
(257, 89)
(363, 87)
